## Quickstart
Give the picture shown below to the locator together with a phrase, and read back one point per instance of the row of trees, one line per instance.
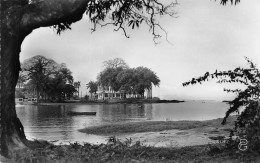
(120, 77)
(46, 79)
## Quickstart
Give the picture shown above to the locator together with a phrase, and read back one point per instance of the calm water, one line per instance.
(51, 122)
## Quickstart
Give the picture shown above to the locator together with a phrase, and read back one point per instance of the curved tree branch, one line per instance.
(52, 12)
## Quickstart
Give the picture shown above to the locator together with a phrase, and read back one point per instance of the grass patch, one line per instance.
(125, 152)
(153, 126)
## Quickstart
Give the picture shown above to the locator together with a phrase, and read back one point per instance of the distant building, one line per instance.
(29, 100)
(24, 96)
(105, 93)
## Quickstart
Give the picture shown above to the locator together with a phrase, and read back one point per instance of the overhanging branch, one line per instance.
(52, 12)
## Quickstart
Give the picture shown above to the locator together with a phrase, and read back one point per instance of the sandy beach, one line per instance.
(167, 134)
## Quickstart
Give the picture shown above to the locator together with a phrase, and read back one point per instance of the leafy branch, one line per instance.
(123, 14)
(249, 77)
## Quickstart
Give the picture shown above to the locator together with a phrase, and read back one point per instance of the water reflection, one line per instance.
(51, 122)
(117, 113)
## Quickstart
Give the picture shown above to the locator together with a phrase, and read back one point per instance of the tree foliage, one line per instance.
(108, 78)
(115, 63)
(77, 86)
(47, 78)
(128, 80)
(248, 122)
(121, 14)
(93, 87)
(145, 77)
(21, 80)
(224, 2)
(128, 13)
(19, 93)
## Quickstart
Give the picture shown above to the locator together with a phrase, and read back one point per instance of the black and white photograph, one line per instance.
(129, 81)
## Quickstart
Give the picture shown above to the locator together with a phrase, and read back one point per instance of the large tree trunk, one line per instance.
(18, 19)
(12, 132)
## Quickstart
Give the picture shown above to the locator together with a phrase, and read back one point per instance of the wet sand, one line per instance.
(177, 138)
(167, 134)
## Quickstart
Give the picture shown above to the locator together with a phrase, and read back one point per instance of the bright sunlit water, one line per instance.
(52, 123)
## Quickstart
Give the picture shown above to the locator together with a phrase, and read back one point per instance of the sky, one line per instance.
(204, 36)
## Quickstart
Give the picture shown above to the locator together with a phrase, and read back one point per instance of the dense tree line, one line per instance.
(46, 79)
(120, 77)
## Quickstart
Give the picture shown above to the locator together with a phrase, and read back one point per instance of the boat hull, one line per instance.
(81, 113)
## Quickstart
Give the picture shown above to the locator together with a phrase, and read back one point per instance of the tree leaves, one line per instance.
(247, 124)
(224, 2)
(115, 63)
(128, 13)
(249, 77)
(92, 86)
(62, 26)
(120, 77)
(47, 77)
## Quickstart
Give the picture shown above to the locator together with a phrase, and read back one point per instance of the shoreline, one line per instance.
(127, 101)
(154, 126)
(167, 134)
(137, 101)
(134, 149)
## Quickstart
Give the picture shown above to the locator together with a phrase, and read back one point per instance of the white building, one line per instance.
(105, 93)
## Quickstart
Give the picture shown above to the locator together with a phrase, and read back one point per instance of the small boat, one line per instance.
(81, 113)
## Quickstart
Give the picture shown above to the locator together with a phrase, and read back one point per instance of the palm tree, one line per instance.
(77, 85)
(92, 86)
